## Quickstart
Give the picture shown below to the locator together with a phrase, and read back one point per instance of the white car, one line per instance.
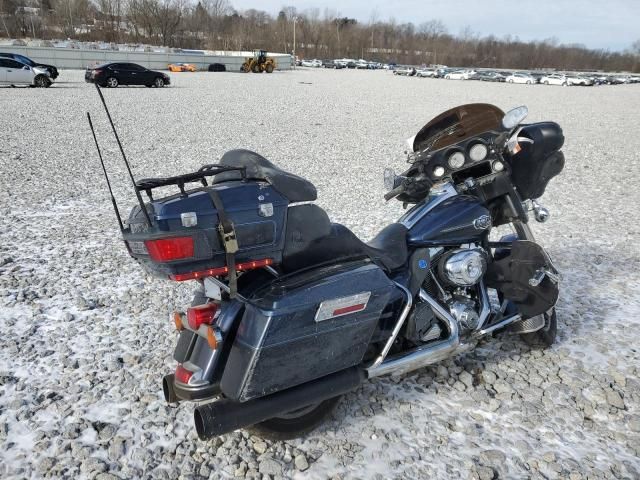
(315, 63)
(13, 72)
(554, 79)
(578, 80)
(459, 74)
(521, 78)
(426, 72)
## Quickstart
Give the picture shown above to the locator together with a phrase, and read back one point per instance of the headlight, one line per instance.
(478, 152)
(498, 166)
(438, 171)
(456, 160)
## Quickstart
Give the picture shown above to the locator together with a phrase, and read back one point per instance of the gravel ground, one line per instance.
(86, 337)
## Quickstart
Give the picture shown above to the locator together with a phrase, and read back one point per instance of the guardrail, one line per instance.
(81, 58)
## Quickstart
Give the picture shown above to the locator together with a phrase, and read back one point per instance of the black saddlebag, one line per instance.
(184, 238)
(512, 273)
(304, 326)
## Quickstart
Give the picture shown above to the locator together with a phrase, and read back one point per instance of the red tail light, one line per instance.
(216, 272)
(167, 249)
(201, 315)
(182, 374)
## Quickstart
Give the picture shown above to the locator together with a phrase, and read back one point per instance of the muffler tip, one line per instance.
(167, 387)
(203, 420)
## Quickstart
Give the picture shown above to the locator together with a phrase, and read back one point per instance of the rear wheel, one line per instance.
(546, 336)
(255, 68)
(112, 82)
(269, 68)
(297, 423)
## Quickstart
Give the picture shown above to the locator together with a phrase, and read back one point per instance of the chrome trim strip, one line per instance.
(440, 193)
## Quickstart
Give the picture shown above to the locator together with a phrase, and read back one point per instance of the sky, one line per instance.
(606, 24)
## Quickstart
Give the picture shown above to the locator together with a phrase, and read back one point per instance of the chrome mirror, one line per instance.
(389, 179)
(514, 117)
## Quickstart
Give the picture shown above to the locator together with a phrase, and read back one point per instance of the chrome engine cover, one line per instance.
(463, 267)
(465, 311)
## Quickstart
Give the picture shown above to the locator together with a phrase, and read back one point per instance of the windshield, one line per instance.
(458, 124)
(26, 60)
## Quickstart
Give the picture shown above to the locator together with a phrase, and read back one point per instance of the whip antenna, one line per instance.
(126, 162)
(113, 199)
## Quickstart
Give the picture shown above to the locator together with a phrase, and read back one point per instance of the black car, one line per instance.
(490, 77)
(114, 74)
(53, 71)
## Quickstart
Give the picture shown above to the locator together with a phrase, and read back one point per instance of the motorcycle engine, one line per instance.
(465, 311)
(462, 267)
(453, 279)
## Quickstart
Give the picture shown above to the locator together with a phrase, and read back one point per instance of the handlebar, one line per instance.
(395, 192)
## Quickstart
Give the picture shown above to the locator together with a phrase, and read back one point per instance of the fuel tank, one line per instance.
(458, 219)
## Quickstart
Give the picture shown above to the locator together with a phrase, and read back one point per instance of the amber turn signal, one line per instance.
(211, 338)
(177, 319)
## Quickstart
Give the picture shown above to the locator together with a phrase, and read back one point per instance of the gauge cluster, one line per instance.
(473, 158)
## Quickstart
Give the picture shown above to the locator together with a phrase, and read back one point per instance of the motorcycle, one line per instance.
(293, 311)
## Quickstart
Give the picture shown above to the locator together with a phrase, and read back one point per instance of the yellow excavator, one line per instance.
(259, 63)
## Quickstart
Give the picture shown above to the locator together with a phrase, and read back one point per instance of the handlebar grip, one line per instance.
(395, 192)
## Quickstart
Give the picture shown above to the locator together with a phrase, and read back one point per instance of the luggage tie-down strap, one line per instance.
(229, 241)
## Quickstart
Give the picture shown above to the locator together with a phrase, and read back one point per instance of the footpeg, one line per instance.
(538, 277)
(529, 325)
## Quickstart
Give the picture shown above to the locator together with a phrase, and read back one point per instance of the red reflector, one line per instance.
(349, 309)
(167, 249)
(200, 315)
(216, 272)
(182, 374)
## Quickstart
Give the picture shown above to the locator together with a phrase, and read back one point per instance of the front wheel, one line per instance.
(269, 68)
(158, 82)
(41, 81)
(297, 423)
(546, 336)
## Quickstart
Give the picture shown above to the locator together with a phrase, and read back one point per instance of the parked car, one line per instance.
(14, 72)
(521, 78)
(315, 63)
(426, 72)
(554, 79)
(362, 65)
(217, 67)
(332, 64)
(579, 80)
(490, 77)
(405, 71)
(182, 67)
(351, 64)
(114, 74)
(53, 71)
(459, 74)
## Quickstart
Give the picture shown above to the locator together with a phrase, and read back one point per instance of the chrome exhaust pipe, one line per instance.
(424, 355)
